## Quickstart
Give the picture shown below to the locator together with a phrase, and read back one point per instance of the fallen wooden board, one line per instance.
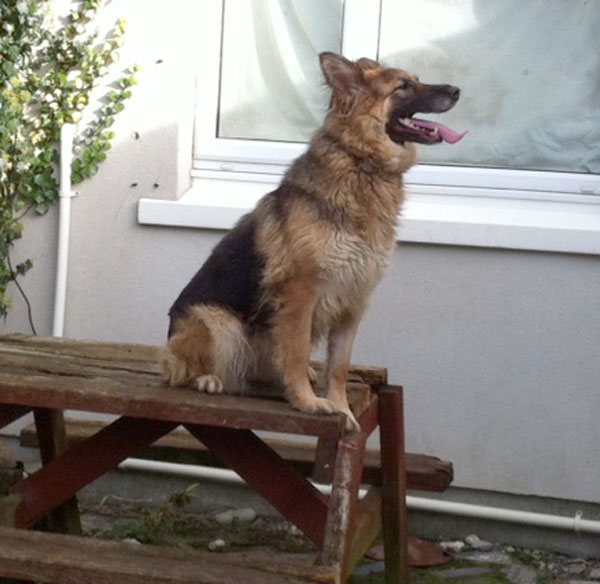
(62, 559)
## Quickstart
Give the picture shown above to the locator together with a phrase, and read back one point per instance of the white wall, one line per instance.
(497, 350)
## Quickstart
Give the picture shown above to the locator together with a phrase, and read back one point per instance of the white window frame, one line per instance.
(545, 211)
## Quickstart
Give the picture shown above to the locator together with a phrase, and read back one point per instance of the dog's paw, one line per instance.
(352, 424)
(209, 384)
(315, 405)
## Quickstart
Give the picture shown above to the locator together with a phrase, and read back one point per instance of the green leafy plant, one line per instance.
(49, 70)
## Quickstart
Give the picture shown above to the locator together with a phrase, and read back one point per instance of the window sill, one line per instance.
(430, 215)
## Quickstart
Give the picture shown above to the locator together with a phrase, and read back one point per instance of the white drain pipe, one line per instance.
(65, 194)
(576, 523)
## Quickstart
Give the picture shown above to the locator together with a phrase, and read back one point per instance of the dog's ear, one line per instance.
(366, 64)
(342, 75)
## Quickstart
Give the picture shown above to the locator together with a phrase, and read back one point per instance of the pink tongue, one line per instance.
(447, 134)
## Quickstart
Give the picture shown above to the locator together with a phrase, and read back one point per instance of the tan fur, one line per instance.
(210, 341)
(322, 261)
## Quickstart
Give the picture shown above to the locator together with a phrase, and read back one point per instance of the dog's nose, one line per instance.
(452, 91)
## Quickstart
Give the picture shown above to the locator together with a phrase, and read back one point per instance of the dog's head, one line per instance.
(391, 96)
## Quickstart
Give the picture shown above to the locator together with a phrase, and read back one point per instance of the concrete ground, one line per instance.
(159, 506)
(471, 560)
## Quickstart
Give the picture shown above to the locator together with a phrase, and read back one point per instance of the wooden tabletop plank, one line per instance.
(182, 405)
(103, 350)
(113, 356)
(124, 379)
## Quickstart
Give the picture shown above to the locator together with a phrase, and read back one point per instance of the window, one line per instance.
(528, 74)
(527, 176)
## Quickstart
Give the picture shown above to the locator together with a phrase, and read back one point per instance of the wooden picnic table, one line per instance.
(48, 375)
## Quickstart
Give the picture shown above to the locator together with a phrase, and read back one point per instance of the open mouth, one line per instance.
(423, 131)
(427, 99)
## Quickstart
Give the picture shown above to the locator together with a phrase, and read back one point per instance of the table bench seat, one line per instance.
(423, 472)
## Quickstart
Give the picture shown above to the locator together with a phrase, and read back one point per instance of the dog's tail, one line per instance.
(174, 368)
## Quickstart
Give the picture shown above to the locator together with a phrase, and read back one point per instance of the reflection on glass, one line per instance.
(529, 74)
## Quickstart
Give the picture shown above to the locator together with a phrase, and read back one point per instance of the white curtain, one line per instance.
(529, 71)
(271, 85)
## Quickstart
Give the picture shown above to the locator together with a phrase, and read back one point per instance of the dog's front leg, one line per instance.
(292, 336)
(339, 350)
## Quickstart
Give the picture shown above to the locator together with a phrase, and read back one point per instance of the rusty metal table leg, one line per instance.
(393, 469)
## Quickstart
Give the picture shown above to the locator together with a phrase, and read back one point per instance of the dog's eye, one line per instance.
(405, 85)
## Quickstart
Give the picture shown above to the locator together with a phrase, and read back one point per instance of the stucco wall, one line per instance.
(497, 350)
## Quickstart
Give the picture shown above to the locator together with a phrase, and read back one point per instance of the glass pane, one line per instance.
(271, 82)
(529, 74)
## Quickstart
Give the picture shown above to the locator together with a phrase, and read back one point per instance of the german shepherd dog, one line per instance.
(301, 266)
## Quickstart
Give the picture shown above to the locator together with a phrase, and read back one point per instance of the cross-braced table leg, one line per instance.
(59, 479)
(50, 427)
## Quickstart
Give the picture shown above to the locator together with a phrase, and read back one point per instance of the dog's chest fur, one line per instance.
(351, 270)
(339, 229)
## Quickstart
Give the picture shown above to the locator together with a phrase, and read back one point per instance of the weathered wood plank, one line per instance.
(424, 473)
(109, 351)
(343, 500)
(63, 559)
(123, 379)
(371, 375)
(50, 426)
(115, 357)
(46, 365)
(23, 359)
(173, 404)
